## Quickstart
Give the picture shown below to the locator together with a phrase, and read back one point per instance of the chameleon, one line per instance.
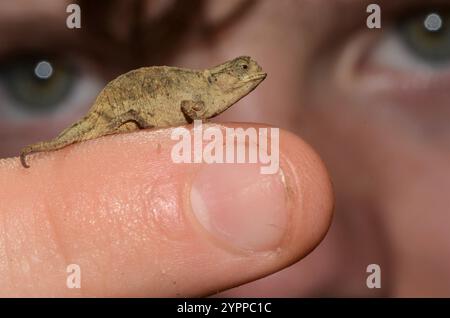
(158, 97)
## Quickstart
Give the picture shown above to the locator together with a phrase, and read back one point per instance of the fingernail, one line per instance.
(238, 204)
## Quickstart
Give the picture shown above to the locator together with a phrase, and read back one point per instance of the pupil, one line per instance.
(43, 70)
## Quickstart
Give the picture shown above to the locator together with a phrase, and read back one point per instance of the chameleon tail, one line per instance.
(54, 144)
(67, 137)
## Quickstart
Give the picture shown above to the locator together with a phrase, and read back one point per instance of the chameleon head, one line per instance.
(233, 80)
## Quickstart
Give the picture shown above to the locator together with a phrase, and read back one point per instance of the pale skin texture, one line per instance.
(159, 97)
(381, 129)
(150, 245)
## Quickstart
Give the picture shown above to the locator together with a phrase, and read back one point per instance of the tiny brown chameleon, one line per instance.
(159, 97)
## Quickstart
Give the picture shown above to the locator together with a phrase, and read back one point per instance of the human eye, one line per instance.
(402, 68)
(36, 86)
(419, 42)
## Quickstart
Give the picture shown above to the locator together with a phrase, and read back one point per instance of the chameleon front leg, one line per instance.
(193, 110)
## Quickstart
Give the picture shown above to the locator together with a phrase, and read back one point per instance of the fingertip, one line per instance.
(119, 204)
(311, 190)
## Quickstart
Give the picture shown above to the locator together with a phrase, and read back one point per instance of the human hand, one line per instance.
(121, 210)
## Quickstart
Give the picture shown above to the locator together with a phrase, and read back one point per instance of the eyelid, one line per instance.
(356, 75)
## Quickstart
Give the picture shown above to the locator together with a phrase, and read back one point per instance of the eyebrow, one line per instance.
(119, 28)
(342, 15)
(42, 29)
(15, 10)
(33, 33)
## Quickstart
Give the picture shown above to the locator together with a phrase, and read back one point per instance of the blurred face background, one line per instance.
(374, 103)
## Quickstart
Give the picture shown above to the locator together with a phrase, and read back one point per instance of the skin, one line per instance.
(158, 97)
(151, 245)
(382, 132)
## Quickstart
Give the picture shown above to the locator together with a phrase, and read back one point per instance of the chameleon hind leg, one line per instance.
(122, 122)
(70, 135)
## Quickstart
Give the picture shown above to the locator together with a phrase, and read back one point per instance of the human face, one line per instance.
(373, 103)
